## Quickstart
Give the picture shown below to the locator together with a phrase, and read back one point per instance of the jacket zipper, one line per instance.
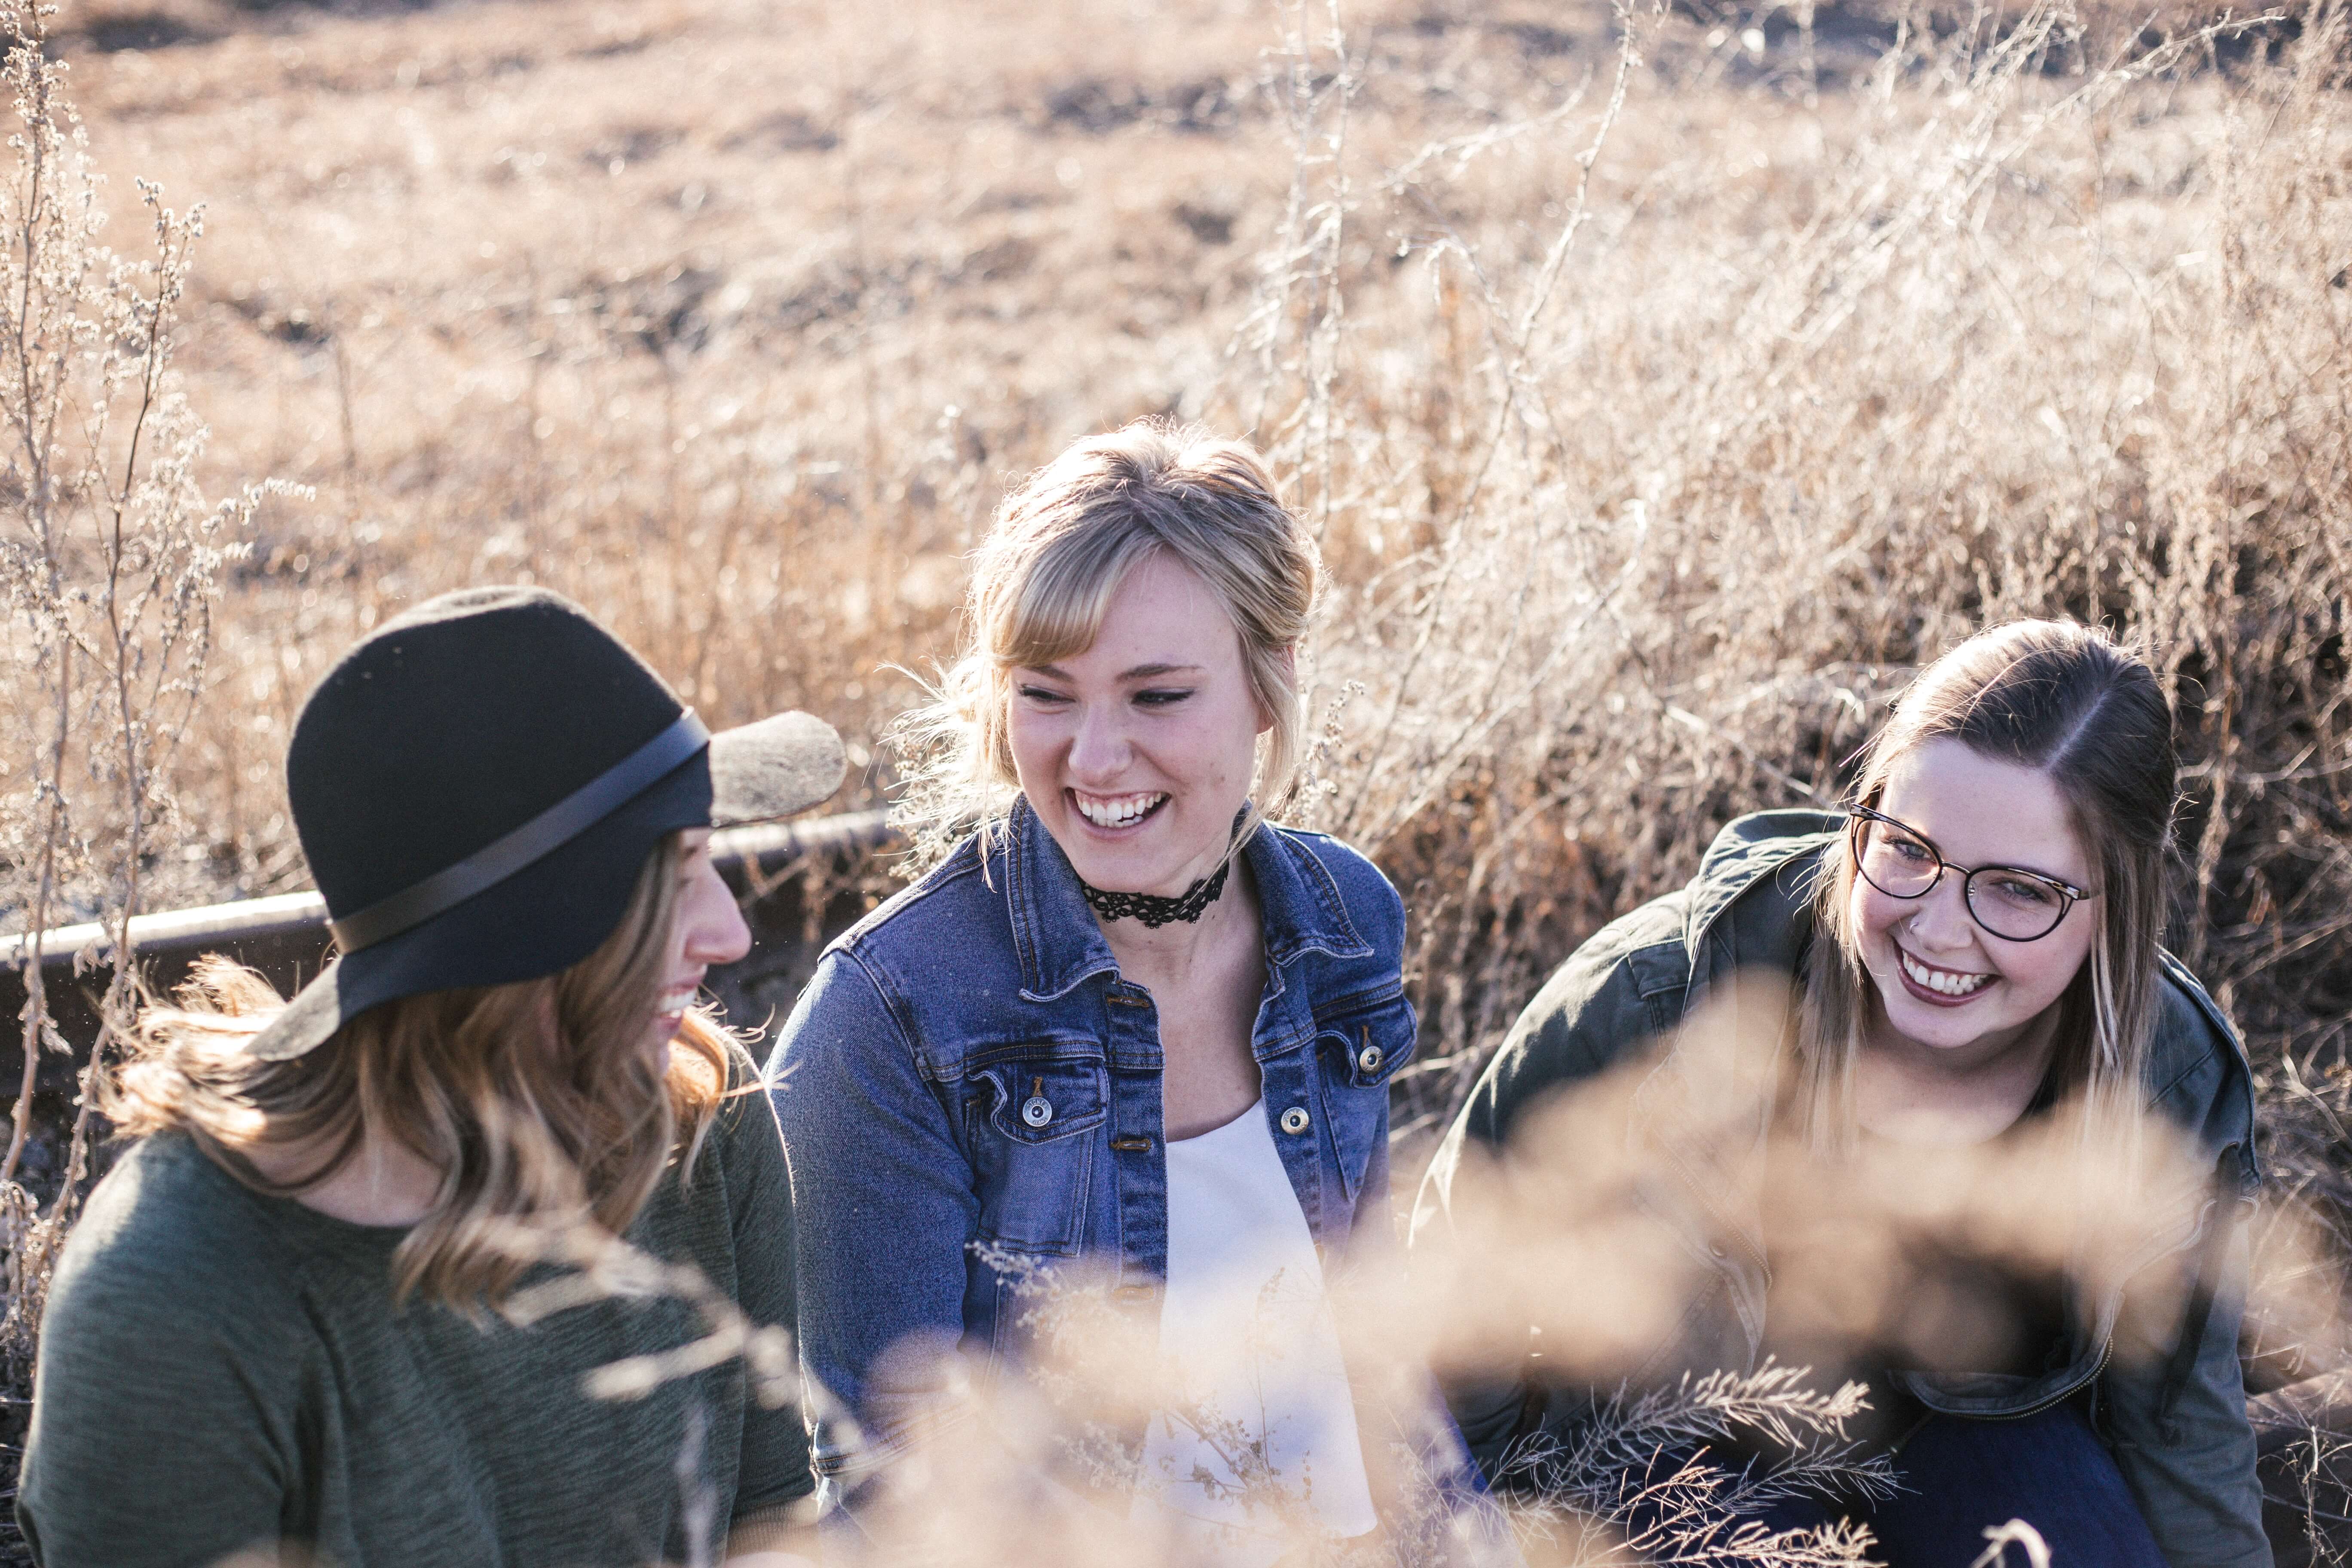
(2106, 1348)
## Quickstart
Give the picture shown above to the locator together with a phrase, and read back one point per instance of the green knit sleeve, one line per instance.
(774, 1468)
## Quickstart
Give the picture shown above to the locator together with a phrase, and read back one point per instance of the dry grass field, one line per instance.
(1655, 421)
(1658, 411)
(729, 319)
(1664, 385)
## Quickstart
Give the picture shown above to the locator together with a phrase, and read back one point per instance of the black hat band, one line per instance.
(542, 835)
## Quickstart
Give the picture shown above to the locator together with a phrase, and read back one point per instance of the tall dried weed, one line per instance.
(110, 566)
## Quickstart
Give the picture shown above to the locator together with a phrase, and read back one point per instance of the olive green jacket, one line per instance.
(2171, 1407)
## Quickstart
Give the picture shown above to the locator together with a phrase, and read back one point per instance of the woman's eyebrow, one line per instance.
(2032, 872)
(1140, 673)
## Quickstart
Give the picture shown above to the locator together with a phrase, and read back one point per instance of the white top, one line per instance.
(1252, 1351)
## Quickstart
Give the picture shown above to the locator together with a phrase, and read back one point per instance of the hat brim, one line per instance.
(773, 768)
(558, 910)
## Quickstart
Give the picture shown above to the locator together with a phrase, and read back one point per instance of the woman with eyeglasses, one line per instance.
(1960, 972)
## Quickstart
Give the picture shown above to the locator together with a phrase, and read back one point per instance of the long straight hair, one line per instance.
(536, 1101)
(2064, 701)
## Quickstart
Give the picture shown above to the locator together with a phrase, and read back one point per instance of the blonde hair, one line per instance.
(537, 1101)
(2063, 699)
(1042, 579)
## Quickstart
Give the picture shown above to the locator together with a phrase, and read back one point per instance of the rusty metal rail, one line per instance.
(285, 937)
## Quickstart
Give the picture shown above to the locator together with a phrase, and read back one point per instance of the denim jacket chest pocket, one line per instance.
(1361, 1040)
(1031, 1123)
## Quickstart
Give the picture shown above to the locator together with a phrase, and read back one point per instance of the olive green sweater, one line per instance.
(222, 1373)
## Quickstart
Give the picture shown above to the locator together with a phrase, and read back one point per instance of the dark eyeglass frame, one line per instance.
(2069, 895)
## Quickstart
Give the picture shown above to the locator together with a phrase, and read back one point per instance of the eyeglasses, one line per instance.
(2013, 904)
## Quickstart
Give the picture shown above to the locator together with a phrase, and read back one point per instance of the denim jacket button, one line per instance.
(1369, 1059)
(1037, 1111)
(1295, 1120)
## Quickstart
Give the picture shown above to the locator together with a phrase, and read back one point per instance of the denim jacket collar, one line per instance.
(1061, 944)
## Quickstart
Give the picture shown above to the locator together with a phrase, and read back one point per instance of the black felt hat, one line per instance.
(477, 784)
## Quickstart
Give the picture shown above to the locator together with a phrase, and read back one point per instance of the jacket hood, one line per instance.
(1778, 848)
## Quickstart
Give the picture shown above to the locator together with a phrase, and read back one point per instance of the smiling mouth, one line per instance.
(676, 1000)
(1952, 982)
(1117, 810)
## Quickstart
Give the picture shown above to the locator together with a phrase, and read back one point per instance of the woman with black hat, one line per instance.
(311, 1310)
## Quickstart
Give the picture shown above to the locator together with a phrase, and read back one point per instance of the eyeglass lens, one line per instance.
(2006, 903)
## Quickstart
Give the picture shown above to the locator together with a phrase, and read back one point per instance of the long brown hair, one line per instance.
(536, 1101)
(2064, 701)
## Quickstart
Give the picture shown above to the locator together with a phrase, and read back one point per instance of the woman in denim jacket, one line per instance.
(1127, 1021)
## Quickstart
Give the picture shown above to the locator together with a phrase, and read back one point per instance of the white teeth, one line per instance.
(1115, 813)
(1942, 980)
(676, 1000)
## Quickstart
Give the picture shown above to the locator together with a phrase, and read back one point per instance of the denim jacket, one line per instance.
(2171, 1412)
(967, 1072)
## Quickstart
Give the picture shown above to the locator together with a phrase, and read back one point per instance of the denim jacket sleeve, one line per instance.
(883, 1207)
(2183, 1443)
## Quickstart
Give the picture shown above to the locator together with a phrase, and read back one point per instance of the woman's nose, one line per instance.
(715, 928)
(1098, 751)
(1941, 914)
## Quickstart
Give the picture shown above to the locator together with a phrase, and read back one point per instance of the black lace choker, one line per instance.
(1154, 910)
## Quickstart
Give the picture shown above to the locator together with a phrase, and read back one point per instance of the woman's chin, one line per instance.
(660, 1037)
(1159, 854)
(1127, 874)
(1135, 857)
(1942, 1029)
(1133, 868)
